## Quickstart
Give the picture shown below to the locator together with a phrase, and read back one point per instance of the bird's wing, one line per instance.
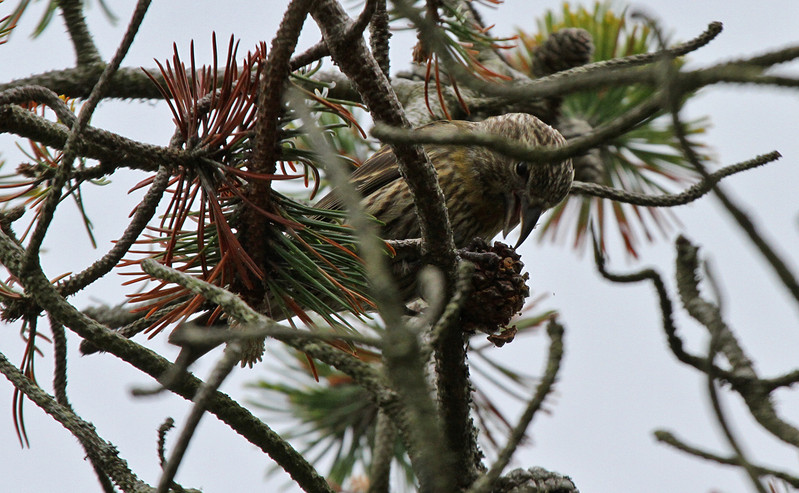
(381, 168)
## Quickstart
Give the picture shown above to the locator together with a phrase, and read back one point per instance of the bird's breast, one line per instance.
(475, 210)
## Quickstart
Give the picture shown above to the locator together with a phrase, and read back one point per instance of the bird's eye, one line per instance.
(522, 169)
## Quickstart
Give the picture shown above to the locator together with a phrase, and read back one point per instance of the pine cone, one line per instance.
(499, 287)
(565, 49)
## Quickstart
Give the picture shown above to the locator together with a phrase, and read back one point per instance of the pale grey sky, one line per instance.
(619, 382)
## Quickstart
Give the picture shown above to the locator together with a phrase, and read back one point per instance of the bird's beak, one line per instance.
(530, 215)
(520, 210)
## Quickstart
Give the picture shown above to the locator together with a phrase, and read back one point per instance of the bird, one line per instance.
(486, 192)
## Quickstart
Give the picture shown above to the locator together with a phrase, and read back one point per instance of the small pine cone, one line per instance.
(252, 351)
(499, 287)
(535, 479)
(565, 49)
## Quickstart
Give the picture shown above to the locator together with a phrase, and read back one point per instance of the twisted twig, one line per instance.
(755, 395)
(223, 368)
(696, 191)
(670, 439)
(85, 49)
(320, 50)
(71, 151)
(101, 453)
(144, 212)
(555, 332)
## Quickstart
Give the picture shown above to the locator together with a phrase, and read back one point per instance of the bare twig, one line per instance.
(555, 332)
(670, 200)
(755, 395)
(144, 212)
(575, 146)
(85, 49)
(194, 334)
(320, 50)
(100, 451)
(229, 360)
(670, 439)
(167, 425)
(382, 454)
(666, 306)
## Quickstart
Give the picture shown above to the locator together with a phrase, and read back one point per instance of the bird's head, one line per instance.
(528, 189)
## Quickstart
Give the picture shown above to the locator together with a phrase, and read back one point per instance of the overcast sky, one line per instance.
(619, 382)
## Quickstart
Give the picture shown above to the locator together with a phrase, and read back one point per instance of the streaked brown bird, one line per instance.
(485, 191)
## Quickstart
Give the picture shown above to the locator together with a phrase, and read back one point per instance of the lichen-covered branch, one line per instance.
(100, 451)
(756, 397)
(85, 49)
(545, 387)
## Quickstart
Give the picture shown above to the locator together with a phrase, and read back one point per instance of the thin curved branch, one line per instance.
(713, 30)
(669, 439)
(144, 212)
(756, 396)
(167, 425)
(221, 371)
(85, 50)
(438, 135)
(666, 306)
(670, 200)
(545, 386)
(193, 334)
(100, 451)
(47, 210)
(320, 50)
